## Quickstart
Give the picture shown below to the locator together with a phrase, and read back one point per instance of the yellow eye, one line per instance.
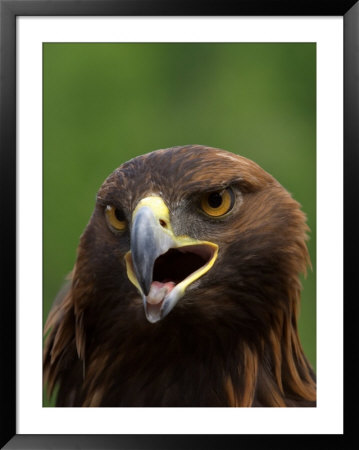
(115, 218)
(217, 203)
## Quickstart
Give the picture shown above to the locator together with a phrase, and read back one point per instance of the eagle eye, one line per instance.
(115, 218)
(217, 203)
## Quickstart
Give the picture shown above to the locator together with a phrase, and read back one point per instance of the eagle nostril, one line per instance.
(163, 223)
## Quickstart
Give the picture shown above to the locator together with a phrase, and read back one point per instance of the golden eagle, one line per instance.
(185, 291)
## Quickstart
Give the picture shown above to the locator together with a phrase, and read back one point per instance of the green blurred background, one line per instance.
(106, 103)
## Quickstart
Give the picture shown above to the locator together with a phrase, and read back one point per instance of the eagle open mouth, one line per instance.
(178, 263)
(174, 267)
(161, 264)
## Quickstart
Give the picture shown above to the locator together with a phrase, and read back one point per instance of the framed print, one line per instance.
(87, 86)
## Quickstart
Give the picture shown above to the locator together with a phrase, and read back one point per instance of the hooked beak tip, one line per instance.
(145, 286)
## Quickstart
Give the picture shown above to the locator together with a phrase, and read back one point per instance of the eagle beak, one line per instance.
(160, 264)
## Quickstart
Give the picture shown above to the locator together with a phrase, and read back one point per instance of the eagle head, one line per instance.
(188, 248)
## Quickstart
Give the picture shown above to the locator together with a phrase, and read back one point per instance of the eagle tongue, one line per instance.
(158, 291)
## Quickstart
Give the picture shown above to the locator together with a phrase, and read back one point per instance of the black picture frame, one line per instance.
(9, 10)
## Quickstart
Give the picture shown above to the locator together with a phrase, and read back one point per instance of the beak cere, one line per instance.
(160, 264)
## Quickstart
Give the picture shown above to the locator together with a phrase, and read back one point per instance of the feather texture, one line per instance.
(232, 340)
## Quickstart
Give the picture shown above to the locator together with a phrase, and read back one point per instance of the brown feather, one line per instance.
(232, 340)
